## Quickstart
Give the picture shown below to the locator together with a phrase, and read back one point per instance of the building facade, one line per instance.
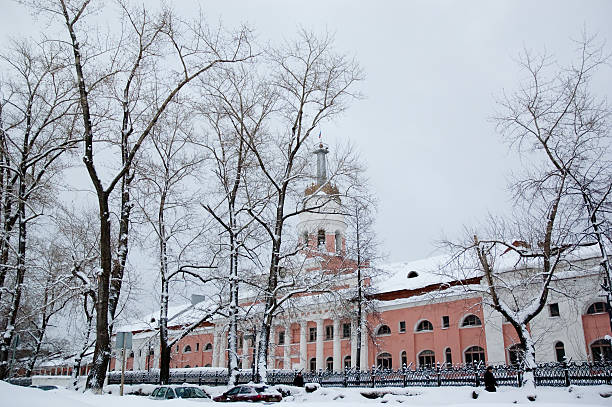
(423, 317)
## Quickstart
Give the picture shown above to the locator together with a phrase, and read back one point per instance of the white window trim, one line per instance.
(425, 330)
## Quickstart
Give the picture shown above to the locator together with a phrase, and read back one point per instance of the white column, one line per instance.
(216, 346)
(353, 343)
(222, 348)
(257, 339)
(364, 345)
(494, 337)
(245, 352)
(272, 348)
(287, 349)
(337, 353)
(303, 347)
(320, 361)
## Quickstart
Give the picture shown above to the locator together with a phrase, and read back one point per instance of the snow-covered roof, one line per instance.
(391, 277)
(178, 315)
(414, 275)
(395, 276)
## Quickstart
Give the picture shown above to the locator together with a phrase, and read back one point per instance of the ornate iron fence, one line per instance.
(547, 374)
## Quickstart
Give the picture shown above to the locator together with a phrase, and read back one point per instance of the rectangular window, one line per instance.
(445, 321)
(346, 330)
(553, 310)
(312, 334)
(402, 326)
(329, 332)
(281, 338)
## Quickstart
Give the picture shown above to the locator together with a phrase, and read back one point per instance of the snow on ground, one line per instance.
(16, 396)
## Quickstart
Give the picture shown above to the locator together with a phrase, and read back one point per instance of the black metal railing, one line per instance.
(547, 374)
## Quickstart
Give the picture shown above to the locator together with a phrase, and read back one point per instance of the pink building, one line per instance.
(422, 316)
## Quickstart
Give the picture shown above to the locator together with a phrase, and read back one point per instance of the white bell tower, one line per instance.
(323, 228)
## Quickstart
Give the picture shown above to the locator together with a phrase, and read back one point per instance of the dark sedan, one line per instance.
(249, 392)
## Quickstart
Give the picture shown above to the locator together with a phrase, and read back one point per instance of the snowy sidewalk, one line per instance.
(15, 396)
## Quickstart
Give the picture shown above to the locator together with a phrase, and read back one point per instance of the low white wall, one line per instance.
(62, 381)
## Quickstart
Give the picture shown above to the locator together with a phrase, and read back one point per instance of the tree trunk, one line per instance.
(9, 332)
(164, 370)
(529, 362)
(122, 250)
(233, 328)
(77, 360)
(102, 351)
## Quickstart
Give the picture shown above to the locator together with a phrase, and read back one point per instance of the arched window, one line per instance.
(383, 330)
(448, 356)
(559, 351)
(187, 349)
(601, 351)
(515, 355)
(152, 352)
(424, 326)
(347, 362)
(208, 347)
(427, 358)
(187, 366)
(474, 354)
(338, 237)
(384, 361)
(321, 238)
(597, 308)
(313, 364)
(471, 320)
(404, 359)
(131, 354)
(329, 363)
(413, 274)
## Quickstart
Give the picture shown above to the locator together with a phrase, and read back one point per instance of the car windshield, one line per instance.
(189, 393)
(233, 391)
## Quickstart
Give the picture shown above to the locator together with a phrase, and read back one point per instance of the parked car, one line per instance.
(181, 392)
(248, 392)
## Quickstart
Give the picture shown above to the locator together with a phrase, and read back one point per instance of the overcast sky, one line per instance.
(433, 71)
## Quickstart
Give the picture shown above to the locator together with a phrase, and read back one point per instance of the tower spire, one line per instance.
(321, 152)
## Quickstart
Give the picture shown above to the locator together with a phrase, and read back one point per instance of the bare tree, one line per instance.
(168, 179)
(155, 54)
(556, 116)
(36, 131)
(49, 291)
(76, 238)
(313, 84)
(362, 246)
(236, 107)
